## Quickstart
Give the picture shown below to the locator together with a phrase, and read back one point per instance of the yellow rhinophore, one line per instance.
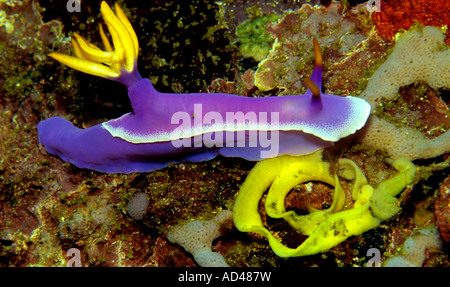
(325, 228)
(112, 63)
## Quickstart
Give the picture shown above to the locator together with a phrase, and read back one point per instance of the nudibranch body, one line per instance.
(164, 128)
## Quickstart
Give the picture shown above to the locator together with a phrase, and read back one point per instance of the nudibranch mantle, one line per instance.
(138, 127)
(165, 127)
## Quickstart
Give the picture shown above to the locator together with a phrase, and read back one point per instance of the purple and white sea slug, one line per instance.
(164, 128)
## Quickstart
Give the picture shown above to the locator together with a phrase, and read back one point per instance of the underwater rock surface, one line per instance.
(48, 207)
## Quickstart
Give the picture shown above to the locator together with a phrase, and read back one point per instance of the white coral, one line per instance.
(418, 55)
(197, 236)
(413, 252)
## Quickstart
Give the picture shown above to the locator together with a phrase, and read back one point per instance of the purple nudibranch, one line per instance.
(165, 128)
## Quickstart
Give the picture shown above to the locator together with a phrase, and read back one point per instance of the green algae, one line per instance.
(253, 38)
(196, 46)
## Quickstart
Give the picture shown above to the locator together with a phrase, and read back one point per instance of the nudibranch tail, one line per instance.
(120, 63)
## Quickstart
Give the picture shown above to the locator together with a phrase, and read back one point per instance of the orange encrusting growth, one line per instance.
(401, 14)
